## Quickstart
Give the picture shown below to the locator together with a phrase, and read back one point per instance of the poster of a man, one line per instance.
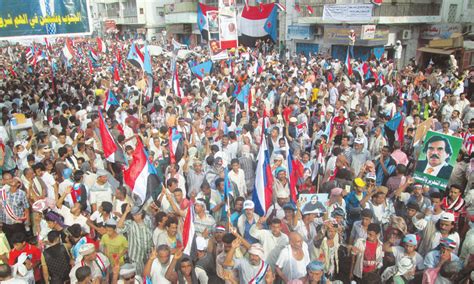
(437, 158)
(438, 151)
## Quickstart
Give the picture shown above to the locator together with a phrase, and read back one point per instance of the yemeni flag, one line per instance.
(108, 144)
(176, 145)
(141, 176)
(101, 46)
(68, 50)
(202, 23)
(394, 128)
(188, 230)
(110, 100)
(255, 23)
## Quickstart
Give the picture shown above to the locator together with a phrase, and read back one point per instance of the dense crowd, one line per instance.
(68, 216)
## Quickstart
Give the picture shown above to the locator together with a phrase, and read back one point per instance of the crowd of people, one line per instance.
(68, 216)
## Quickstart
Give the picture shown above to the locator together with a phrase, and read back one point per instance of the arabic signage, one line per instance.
(336, 34)
(299, 32)
(439, 31)
(348, 13)
(44, 18)
(367, 32)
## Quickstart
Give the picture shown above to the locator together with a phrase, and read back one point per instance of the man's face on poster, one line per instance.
(436, 153)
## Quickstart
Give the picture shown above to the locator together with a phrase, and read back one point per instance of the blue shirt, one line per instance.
(247, 235)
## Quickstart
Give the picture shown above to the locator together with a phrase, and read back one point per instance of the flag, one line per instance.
(297, 8)
(110, 100)
(93, 55)
(348, 63)
(281, 7)
(147, 62)
(175, 144)
(394, 128)
(108, 144)
(101, 46)
(141, 176)
(262, 193)
(253, 24)
(116, 74)
(257, 67)
(176, 86)
(377, 2)
(227, 189)
(271, 26)
(243, 94)
(135, 57)
(310, 10)
(188, 230)
(237, 110)
(295, 171)
(68, 50)
(202, 69)
(41, 56)
(12, 72)
(328, 129)
(118, 58)
(89, 64)
(202, 23)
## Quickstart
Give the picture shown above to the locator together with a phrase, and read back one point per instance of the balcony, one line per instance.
(390, 12)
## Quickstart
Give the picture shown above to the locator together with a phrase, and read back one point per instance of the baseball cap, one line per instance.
(371, 176)
(248, 204)
(410, 239)
(446, 216)
(359, 182)
(359, 141)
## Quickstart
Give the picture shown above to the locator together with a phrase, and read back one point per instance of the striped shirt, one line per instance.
(140, 242)
(18, 203)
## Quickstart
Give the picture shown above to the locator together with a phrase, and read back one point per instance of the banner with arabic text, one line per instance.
(44, 18)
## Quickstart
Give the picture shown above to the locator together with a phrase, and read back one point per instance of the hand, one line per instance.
(355, 250)
(179, 253)
(153, 254)
(128, 209)
(410, 181)
(236, 244)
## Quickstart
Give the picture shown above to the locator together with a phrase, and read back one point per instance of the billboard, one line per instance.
(437, 159)
(44, 18)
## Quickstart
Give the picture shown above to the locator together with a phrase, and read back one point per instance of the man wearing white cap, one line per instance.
(96, 261)
(246, 220)
(101, 190)
(203, 221)
(127, 275)
(358, 156)
(276, 209)
(251, 269)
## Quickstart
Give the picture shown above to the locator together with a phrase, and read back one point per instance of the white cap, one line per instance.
(330, 109)
(446, 216)
(293, 119)
(201, 243)
(359, 141)
(86, 249)
(248, 204)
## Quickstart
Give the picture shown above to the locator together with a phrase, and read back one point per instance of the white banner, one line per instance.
(348, 13)
(367, 32)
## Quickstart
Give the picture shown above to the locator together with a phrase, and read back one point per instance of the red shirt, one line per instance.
(35, 258)
(369, 257)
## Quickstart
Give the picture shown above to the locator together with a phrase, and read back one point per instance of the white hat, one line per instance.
(278, 157)
(127, 269)
(253, 108)
(86, 249)
(248, 204)
(446, 216)
(101, 172)
(282, 194)
(201, 243)
(293, 119)
(39, 205)
(330, 109)
(359, 141)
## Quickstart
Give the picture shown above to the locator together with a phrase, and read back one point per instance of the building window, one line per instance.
(470, 4)
(141, 11)
(452, 13)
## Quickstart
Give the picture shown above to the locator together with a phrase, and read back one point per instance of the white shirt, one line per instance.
(158, 271)
(239, 179)
(272, 245)
(437, 237)
(50, 182)
(70, 219)
(292, 268)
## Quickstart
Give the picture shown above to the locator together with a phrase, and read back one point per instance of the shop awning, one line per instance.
(437, 50)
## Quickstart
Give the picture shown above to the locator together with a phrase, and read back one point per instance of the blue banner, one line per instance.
(27, 18)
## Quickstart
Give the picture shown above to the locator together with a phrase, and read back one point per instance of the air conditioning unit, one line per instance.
(318, 31)
(406, 34)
